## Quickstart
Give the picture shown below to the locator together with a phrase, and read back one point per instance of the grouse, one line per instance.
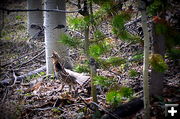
(61, 74)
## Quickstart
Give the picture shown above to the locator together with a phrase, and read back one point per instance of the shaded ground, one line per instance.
(45, 100)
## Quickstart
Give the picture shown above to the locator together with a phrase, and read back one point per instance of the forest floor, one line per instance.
(20, 54)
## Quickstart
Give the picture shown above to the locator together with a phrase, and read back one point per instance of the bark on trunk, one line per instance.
(93, 74)
(156, 81)
(52, 36)
(35, 19)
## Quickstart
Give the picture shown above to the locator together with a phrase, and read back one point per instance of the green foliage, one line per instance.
(112, 61)
(101, 14)
(137, 57)
(56, 110)
(115, 97)
(101, 1)
(70, 41)
(32, 77)
(3, 33)
(156, 6)
(103, 81)
(7, 38)
(21, 27)
(18, 17)
(126, 92)
(78, 23)
(95, 50)
(119, 20)
(123, 67)
(98, 35)
(28, 94)
(157, 62)
(161, 28)
(174, 53)
(82, 68)
(42, 73)
(19, 90)
(116, 61)
(119, 28)
(132, 73)
(102, 63)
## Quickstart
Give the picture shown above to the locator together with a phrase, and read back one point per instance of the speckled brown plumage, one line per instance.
(61, 74)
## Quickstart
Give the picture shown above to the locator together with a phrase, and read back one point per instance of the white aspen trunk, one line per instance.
(52, 36)
(142, 7)
(146, 65)
(35, 17)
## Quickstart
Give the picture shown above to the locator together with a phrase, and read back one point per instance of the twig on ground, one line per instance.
(31, 59)
(113, 115)
(138, 93)
(21, 57)
(73, 3)
(47, 108)
(5, 94)
(33, 10)
(15, 79)
(77, 32)
(67, 106)
(20, 78)
(88, 105)
(115, 73)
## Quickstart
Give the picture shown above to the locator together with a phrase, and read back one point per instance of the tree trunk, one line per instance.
(2, 16)
(92, 62)
(35, 18)
(156, 81)
(93, 74)
(142, 7)
(52, 36)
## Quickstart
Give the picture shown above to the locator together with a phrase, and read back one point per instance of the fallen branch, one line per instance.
(127, 109)
(109, 113)
(33, 10)
(76, 32)
(31, 59)
(15, 79)
(5, 94)
(81, 79)
(133, 21)
(20, 58)
(7, 82)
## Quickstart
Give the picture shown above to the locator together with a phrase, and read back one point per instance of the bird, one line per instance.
(61, 74)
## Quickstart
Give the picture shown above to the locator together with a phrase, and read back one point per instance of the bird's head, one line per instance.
(54, 56)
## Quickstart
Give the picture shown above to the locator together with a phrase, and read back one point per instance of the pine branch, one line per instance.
(133, 21)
